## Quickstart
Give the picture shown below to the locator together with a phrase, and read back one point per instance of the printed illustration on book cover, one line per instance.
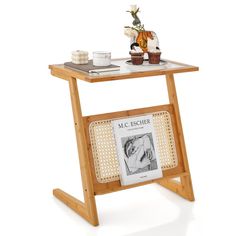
(139, 154)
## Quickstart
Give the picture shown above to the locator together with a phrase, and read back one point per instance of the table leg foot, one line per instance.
(78, 206)
(182, 187)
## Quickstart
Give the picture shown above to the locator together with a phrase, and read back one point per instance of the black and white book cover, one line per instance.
(136, 146)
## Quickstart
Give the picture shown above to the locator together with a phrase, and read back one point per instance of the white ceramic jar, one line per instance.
(101, 58)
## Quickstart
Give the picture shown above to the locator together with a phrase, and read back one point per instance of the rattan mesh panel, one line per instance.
(104, 149)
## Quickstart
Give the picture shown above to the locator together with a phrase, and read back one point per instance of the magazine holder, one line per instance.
(95, 140)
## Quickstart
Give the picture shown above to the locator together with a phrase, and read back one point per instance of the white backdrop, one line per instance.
(37, 140)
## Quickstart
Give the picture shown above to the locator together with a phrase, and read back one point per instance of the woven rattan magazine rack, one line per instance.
(96, 145)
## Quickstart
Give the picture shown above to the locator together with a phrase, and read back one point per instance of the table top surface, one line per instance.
(127, 71)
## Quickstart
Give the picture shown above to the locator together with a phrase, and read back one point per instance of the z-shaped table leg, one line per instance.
(184, 187)
(86, 209)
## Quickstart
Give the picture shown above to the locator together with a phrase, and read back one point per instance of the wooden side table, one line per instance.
(101, 176)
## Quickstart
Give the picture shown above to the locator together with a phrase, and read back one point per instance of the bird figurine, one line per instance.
(134, 15)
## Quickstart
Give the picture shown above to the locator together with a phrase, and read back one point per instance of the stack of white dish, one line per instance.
(79, 57)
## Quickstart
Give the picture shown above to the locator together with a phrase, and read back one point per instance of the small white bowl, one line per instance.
(101, 58)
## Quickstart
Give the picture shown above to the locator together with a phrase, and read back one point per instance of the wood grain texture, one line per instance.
(184, 188)
(186, 181)
(83, 153)
(102, 188)
(73, 203)
(62, 72)
(91, 187)
(87, 209)
(115, 186)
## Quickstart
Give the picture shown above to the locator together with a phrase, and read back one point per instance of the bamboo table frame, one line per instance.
(91, 187)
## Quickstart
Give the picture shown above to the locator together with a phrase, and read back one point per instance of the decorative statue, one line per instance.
(138, 35)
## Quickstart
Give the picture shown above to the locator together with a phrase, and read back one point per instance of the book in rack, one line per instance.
(137, 152)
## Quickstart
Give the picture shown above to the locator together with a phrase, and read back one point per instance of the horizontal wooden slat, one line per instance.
(115, 186)
(125, 113)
